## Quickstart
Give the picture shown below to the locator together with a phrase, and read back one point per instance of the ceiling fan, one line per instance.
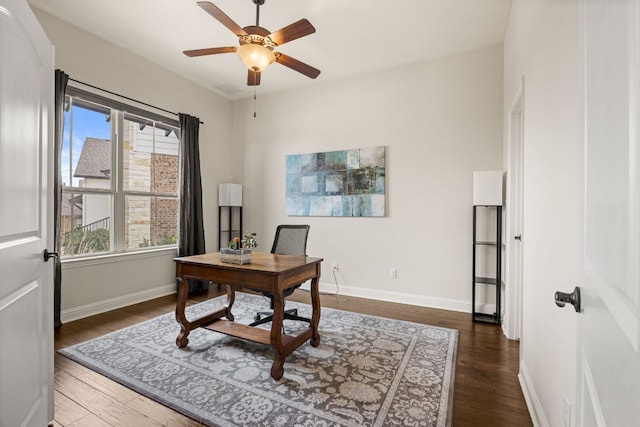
(257, 44)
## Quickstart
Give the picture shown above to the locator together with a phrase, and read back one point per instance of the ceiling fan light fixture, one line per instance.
(255, 56)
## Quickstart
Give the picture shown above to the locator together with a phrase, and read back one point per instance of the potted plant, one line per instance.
(239, 251)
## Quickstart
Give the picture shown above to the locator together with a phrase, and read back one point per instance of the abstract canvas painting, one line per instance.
(337, 183)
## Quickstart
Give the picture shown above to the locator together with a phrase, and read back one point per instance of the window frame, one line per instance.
(118, 111)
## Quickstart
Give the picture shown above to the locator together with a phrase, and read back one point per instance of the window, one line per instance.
(120, 178)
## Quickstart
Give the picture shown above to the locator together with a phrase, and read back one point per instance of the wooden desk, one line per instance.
(268, 272)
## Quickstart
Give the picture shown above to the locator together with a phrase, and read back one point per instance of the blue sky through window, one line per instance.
(86, 123)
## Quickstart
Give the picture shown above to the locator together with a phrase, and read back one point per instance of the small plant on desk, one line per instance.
(248, 242)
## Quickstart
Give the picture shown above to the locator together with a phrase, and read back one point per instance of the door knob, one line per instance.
(46, 255)
(573, 298)
(518, 237)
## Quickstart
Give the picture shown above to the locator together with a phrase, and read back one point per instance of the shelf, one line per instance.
(487, 243)
(233, 224)
(487, 280)
(258, 335)
(486, 318)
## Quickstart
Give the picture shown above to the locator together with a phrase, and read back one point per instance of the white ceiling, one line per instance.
(352, 36)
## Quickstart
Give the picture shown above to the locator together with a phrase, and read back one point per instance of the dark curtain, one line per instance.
(191, 241)
(61, 79)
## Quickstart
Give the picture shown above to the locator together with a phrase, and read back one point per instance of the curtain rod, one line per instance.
(126, 97)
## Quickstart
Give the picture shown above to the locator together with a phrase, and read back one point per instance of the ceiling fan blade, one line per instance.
(209, 51)
(253, 78)
(222, 17)
(291, 32)
(296, 65)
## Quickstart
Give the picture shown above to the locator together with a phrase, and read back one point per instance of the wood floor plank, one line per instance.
(107, 386)
(67, 411)
(62, 363)
(486, 388)
(91, 420)
(161, 413)
(100, 404)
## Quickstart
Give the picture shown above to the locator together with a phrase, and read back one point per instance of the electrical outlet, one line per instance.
(393, 273)
(335, 266)
(566, 412)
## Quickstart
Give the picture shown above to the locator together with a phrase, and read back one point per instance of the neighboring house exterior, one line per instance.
(84, 213)
(149, 220)
(94, 171)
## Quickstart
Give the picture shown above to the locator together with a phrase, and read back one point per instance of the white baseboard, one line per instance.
(531, 398)
(98, 307)
(399, 297)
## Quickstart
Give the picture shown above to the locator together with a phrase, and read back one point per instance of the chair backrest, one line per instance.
(291, 240)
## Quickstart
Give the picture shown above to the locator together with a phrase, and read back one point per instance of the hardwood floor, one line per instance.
(486, 390)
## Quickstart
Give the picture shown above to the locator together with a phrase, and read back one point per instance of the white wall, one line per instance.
(541, 44)
(115, 281)
(440, 120)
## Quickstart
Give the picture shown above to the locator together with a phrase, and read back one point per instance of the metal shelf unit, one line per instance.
(496, 281)
(233, 225)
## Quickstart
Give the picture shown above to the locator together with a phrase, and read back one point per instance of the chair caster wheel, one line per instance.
(256, 318)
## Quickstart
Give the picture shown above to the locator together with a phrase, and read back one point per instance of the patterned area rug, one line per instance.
(367, 371)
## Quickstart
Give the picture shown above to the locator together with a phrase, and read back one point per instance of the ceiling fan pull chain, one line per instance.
(254, 102)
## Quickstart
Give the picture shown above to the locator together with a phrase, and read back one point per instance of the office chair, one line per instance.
(289, 240)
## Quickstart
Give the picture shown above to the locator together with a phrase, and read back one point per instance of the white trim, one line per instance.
(103, 306)
(403, 298)
(534, 405)
(70, 263)
(98, 307)
(512, 321)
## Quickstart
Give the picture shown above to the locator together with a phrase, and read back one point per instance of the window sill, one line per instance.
(118, 257)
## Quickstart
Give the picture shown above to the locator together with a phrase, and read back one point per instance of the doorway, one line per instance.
(512, 323)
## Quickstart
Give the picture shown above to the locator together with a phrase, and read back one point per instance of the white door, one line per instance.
(26, 281)
(608, 358)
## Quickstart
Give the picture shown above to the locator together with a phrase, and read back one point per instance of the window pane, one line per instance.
(85, 223)
(150, 157)
(86, 146)
(165, 162)
(150, 221)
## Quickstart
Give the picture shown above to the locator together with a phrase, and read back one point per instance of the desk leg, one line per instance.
(277, 368)
(315, 316)
(181, 303)
(231, 297)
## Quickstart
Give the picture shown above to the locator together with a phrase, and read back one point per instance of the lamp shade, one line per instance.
(256, 57)
(487, 188)
(229, 195)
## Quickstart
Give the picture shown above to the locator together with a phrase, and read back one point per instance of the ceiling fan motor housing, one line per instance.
(255, 38)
